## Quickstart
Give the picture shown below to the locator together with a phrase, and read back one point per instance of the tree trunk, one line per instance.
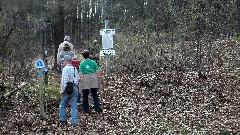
(238, 16)
(58, 29)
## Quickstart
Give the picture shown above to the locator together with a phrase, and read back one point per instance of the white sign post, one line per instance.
(107, 45)
(39, 65)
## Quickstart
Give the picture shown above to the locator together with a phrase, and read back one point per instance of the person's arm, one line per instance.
(98, 74)
(71, 46)
(80, 75)
(99, 77)
(58, 56)
(80, 71)
(63, 81)
(59, 51)
(97, 71)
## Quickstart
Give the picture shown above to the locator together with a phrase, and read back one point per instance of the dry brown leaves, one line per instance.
(140, 100)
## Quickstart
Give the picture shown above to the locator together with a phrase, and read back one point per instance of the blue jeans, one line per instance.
(73, 101)
(95, 99)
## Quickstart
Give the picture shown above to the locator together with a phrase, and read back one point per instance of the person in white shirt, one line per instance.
(69, 74)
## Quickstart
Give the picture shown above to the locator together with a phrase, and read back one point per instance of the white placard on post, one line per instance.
(107, 38)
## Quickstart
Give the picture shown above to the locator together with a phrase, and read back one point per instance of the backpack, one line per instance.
(69, 87)
(76, 64)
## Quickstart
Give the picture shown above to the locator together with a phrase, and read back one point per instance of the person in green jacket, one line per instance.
(90, 78)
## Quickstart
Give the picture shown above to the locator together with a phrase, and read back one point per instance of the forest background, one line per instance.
(178, 58)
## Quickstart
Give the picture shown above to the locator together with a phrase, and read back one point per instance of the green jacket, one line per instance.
(88, 66)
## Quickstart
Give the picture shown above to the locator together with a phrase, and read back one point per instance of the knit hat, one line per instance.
(67, 58)
(66, 38)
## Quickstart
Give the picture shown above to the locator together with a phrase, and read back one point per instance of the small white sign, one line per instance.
(107, 41)
(107, 31)
(39, 63)
(107, 38)
(107, 52)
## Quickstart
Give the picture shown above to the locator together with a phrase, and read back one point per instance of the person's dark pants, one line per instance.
(95, 99)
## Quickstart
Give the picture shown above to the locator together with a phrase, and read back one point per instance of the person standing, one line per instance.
(46, 71)
(94, 52)
(90, 77)
(66, 51)
(61, 48)
(69, 74)
(66, 41)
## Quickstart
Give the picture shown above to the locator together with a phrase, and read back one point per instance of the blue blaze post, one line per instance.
(39, 65)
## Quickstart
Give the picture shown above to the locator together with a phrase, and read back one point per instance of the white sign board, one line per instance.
(107, 38)
(107, 52)
(39, 63)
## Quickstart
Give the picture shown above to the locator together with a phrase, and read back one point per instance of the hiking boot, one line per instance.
(99, 111)
(86, 112)
(74, 124)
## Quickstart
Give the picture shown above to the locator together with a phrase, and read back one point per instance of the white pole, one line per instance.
(108, 65)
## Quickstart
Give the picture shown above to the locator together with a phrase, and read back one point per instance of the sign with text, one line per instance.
(107, 38)
(107, 52)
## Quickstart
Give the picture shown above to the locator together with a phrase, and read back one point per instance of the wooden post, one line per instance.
(40, 79)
